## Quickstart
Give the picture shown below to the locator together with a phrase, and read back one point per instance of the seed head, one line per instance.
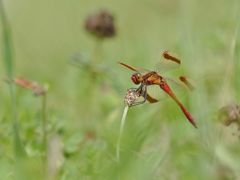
(130, 97)
(101, 24)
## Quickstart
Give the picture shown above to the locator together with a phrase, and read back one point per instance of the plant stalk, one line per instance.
(8, 62)
(44, 121)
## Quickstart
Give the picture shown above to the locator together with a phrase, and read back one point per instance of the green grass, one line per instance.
(9, 68)
(84, 114)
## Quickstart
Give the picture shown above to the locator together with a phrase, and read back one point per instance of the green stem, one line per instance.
(93, 84)
(8, 61)
(120, 132)
(44, 132)
(7, 42)
(44, 122)
(19, 151)
(97, 53)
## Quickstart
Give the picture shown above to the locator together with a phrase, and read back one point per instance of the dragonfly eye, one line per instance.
(136, 78)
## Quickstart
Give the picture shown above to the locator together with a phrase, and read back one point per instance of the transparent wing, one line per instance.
(151, 99)
(168, 62)
(154, 91)
(185, 80)
(132, 68)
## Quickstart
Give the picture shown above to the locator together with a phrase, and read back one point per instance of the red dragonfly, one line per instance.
(153, 78)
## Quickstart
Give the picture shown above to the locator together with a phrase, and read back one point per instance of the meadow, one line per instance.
(71, 130)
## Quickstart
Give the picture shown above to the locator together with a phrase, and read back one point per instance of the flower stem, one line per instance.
(121, 131)
(44, 122)
(8, 61)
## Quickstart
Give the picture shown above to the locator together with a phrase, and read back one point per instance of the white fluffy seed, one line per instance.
(130, 97)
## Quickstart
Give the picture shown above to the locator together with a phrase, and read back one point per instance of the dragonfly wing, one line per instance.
(167, 63)
(186, 82)
(164, 66)
(169, 57)
(177, 84)
(136, 69)
(166, 88)
(154, 94)
(128, 66)
(178, 87)
(151, 99)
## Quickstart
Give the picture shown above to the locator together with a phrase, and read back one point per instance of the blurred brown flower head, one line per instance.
(101, 24)
(230, 114)
(36, 89)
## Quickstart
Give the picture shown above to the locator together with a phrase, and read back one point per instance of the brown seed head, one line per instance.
(101, 24)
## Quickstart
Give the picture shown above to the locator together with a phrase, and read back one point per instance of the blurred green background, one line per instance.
(83, 113)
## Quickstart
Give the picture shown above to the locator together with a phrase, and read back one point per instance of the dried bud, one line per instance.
(101, 24)
(37, 89)
(131, 97)
(231, 114)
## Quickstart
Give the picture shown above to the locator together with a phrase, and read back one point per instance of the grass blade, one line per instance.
(8, 62)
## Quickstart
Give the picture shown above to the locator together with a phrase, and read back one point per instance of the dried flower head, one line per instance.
(101, 24)
(37, 89)
(130, 97)
(231, 114)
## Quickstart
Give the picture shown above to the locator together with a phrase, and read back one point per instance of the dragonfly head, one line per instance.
(137, 78)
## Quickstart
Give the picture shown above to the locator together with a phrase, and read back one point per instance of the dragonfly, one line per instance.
(151, 78)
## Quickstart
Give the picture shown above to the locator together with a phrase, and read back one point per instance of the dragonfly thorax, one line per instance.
(136, 78)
